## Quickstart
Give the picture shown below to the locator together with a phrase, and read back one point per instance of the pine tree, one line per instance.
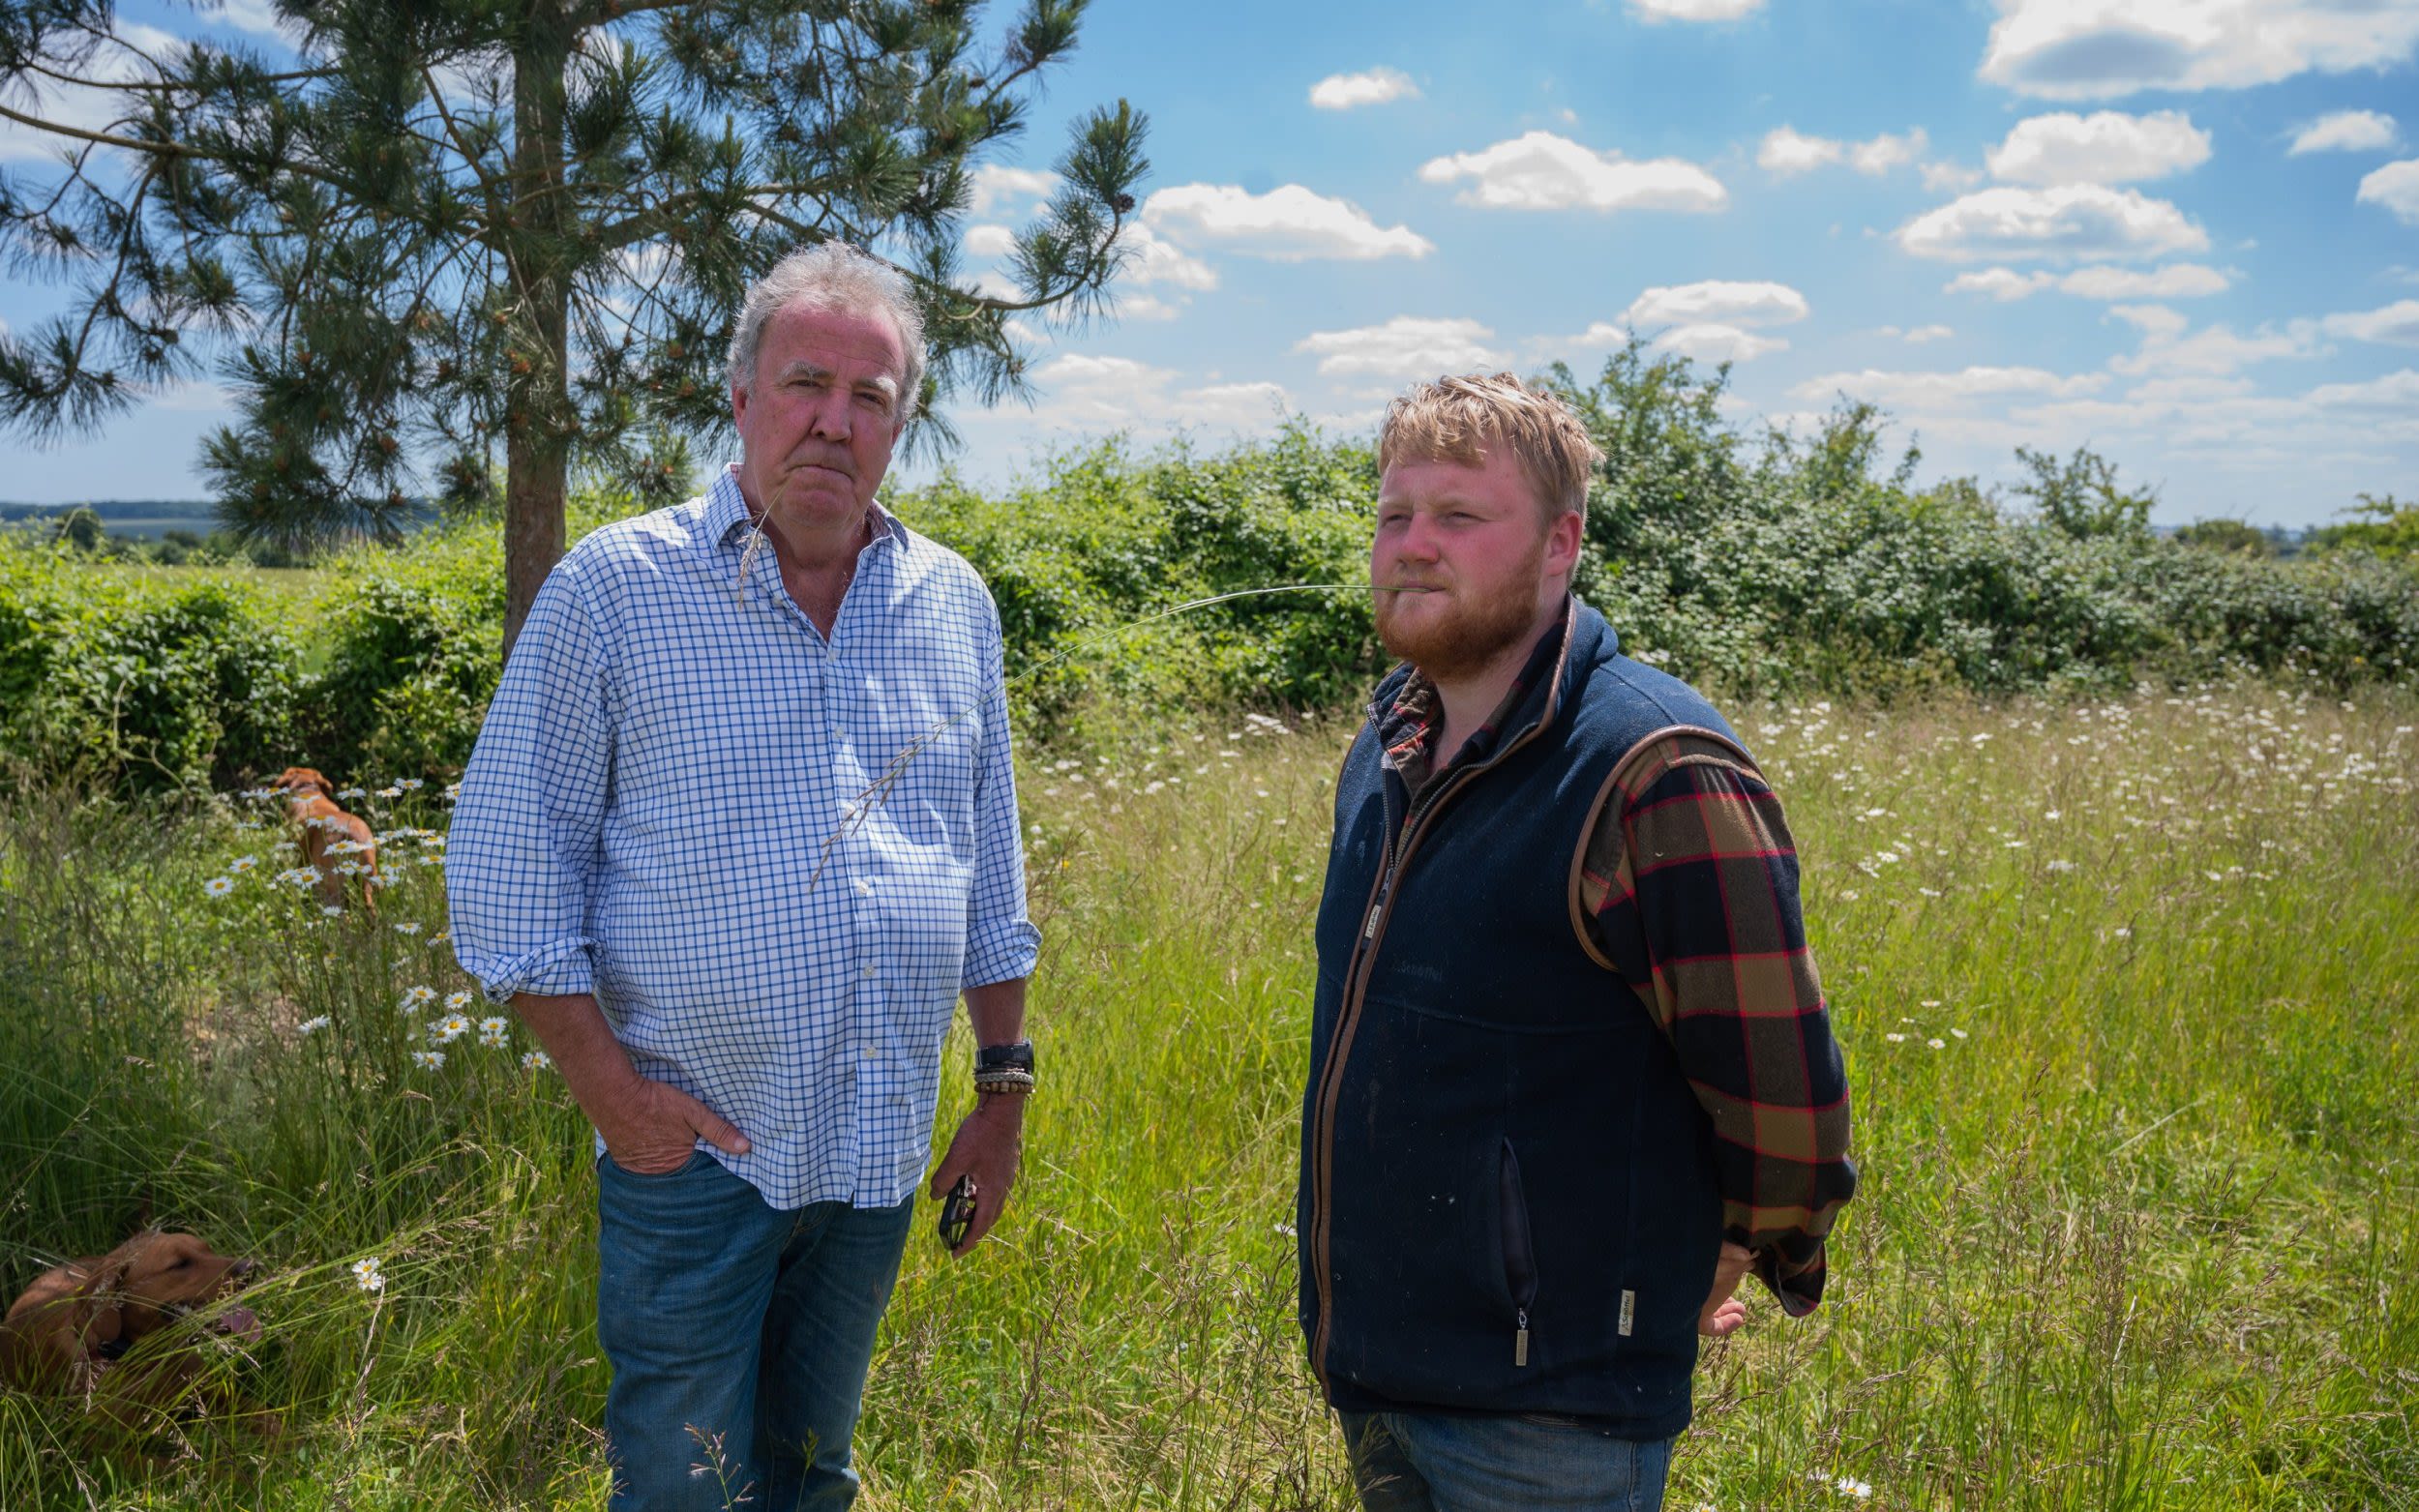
(455, 229)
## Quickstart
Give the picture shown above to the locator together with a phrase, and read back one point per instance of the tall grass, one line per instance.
(2126, 990)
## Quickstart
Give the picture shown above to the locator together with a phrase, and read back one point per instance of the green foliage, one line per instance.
(114, 682)
(488, 226)
(2235, 536)
(2080, 495)
(2125, 990)
(2384, 527)
(1104, 540)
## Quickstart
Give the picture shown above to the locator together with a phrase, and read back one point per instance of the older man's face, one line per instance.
(816, 425)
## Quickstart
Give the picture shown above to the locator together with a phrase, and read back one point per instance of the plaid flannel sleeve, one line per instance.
(1688, 887)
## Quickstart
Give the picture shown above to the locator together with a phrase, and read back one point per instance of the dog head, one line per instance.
(84, 1317)
(302, 781)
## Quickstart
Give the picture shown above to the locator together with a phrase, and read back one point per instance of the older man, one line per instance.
(1571, 1074)
(739, 830)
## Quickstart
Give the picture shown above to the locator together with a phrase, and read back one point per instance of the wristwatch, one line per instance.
(1004, 1068)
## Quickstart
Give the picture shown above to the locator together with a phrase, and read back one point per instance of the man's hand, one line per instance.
(1723, 1312)
(985, 1148)
(651, 1129)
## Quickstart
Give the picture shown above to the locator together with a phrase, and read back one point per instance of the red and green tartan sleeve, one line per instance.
(1688, 887)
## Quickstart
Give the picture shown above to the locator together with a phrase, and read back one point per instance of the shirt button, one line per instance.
(866, 1050)
(866, 972)
(865, 885)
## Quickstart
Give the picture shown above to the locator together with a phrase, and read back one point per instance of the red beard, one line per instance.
(1469, 634)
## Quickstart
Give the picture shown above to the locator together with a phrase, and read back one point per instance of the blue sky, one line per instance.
(2184, 231)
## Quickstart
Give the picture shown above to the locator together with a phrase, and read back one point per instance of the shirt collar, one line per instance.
(727, 512)
(1408, 723)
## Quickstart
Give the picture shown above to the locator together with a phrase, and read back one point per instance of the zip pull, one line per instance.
(1386, 890)
(1520, 1341)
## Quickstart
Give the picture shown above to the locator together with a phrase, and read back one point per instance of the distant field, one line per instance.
(2127, 989)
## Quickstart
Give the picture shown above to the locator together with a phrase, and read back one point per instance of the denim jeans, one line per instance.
(740, 1335)
(1418, 1461)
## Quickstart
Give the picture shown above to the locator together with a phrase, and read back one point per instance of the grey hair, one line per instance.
(832, 275)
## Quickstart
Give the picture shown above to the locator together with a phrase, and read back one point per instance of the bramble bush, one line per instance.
(1771, 564)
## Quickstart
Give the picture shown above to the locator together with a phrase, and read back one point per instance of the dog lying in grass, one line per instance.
(330, 836)
(80, 1327)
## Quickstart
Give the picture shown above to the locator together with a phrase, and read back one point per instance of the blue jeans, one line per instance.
(740, 1335)
(1418, 1462)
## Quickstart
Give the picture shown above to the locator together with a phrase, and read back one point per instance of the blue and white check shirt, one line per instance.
(669, 755)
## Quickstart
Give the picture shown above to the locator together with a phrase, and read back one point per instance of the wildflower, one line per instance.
(2062, 866)
(408, 784)
(1930, 1003)
(536, 1060)
(406, 929)
(451, 1027)
(311, 1025)
(242, 864)
(427, 1060)
(218, 886)
(1960, 1034)
(299, 876)
(1895, 1037)
(1937, 1044)
(2122, 932)
(351, 792)
(491, 1033)
(456, 1002)
(330, 909)
(2052, 815)
(367, 1273)
(416, 998)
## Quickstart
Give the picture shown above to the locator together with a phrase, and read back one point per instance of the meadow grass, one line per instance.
(2126, 990)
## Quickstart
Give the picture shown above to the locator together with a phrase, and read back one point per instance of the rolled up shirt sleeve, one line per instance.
(1690, 887)
(522, 853)
(1002, 944)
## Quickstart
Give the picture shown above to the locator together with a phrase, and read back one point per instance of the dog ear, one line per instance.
(91, 1330)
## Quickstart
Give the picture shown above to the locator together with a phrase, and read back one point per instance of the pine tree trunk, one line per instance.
(538, 419)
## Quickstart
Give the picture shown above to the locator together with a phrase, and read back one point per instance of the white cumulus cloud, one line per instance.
(2397, 392)
(1878, 154)
(1349, 91)
(1919, 334)
(2396, 324)
(2213, 352)
(2100, 49)
(989, 241)
(1932, 390)
(1155, 259)
(1094, 393)
(1717, 301)
(2345, 130)
(1289, 224)
(1006, 191)
(2105, 147)
(2173, 281)
(1695, 10)
(1714, 342)
(2062, 222)
(2000, 283)
(1407, 346)
(1785, 151)
(1544, 171)
(2395, 187)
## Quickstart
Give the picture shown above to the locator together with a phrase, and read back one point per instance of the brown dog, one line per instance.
(74, 1326)
(330, 837)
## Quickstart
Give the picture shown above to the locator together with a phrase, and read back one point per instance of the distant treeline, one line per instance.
(1754, 563)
